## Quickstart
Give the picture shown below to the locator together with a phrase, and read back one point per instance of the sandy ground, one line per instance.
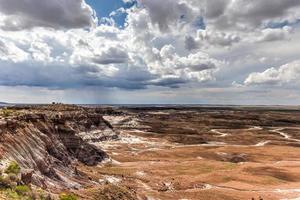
(205, 155)
(159, 169)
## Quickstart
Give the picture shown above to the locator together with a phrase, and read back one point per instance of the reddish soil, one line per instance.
(205, 153)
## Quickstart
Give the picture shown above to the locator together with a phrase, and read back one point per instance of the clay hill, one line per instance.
(43, 144)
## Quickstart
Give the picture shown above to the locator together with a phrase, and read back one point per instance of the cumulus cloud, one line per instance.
(169, 43)
(225, 22)
(169, 12)
(197, 67)
(10, 52)
(218, 38)
(19, 15)
(285, 74)
(112, 55)
(248, 14)
(195, 62)
(269, 35)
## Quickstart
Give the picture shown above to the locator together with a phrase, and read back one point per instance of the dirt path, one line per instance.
(285, 135)
(220, 133)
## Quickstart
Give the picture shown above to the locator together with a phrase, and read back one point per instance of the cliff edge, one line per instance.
(49, 141)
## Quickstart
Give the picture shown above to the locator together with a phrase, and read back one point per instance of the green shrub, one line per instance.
(65, 196)
(13, 168)
(21, 192)
(22, 189)
(11, 194)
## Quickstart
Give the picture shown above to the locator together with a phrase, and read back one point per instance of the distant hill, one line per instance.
(3, 104)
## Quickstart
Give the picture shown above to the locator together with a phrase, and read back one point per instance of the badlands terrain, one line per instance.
(165, 152)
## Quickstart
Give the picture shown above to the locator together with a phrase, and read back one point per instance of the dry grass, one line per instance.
(109, 192)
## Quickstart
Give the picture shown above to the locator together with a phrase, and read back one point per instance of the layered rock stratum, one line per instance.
(49, 141)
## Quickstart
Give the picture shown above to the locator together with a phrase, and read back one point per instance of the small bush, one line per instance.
(13, 177)
(44, 196)
(22, 190)
(65, 196)
(13, 168)
(7, 112)
(11, 194)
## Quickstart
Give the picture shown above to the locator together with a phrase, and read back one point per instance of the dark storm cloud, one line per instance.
(248, 13)
(172, 82)
(63, 77)
(27, 14)
(190, 43)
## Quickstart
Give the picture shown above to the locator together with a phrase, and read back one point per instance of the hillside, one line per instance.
(48, 142)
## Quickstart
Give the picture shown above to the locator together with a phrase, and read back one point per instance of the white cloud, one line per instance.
(269, 35)
(40, 51)
(285, 74)
(218, 38)
(10, 52)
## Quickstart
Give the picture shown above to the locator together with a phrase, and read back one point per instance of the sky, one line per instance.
(243, 52)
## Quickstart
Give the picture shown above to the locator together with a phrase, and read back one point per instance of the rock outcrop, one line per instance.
(48, 141)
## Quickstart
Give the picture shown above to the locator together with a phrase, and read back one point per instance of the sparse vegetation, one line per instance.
(110, 192)
(5, 182)
(67, 196)
(13, 168)
(22, 189)
(16, 195)
(6, 112)
(22, 192)
(10, 178)
(9, 184)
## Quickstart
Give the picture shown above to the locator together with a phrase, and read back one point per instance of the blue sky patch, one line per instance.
(105, 7)
(282, 24)
(200, 23)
